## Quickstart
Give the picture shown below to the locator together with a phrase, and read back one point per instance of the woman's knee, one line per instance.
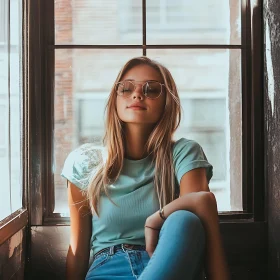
(186, 220)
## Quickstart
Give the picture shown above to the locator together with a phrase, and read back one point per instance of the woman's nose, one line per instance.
(138, 92)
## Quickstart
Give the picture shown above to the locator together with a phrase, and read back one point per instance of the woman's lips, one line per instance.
(136, 108)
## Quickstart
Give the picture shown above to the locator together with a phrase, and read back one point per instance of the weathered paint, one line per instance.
(272, 131)
(270, 74)
(12, 256)
(15, 242)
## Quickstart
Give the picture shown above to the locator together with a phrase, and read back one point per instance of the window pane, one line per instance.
(4, 114)
(10, 112)
(83, 80)
(15, 103)
(209, 84)
(168, 22)
(4, 159)
(193, 21)
(97, 22)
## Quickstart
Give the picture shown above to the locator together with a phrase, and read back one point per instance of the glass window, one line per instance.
(96, 22)
(10, 107)
(83, 81)
(184, 22)
(209, 84)
(208, 79)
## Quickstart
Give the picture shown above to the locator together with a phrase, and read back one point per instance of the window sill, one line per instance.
(12, 224)
(59, 219)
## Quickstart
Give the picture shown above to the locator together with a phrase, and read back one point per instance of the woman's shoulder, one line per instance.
(187, 155)
(82, 162)
(88, 154)
(184, 144)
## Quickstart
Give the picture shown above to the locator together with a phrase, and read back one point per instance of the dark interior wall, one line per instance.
(12, 256)
(49, 246)
(272, 130)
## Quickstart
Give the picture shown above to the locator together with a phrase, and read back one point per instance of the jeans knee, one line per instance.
(186, 220)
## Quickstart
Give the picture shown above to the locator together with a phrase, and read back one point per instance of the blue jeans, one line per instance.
(178, 255)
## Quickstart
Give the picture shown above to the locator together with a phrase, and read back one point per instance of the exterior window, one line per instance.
(182, 22)
(10, 107)
(208, 77)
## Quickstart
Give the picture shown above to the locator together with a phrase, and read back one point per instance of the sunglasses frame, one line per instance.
(143, 91)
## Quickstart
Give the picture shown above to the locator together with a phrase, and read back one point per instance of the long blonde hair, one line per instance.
(159, 143)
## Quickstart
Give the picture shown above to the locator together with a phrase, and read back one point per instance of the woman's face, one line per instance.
(152, 108)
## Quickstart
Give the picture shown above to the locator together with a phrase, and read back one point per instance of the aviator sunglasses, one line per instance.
(151, 89)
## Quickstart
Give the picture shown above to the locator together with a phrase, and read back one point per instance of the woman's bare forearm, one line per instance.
(76, 267)
(203, 204)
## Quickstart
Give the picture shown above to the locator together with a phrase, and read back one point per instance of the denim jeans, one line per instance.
(178, 255)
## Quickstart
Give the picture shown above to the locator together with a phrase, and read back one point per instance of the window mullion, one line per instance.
(144, 34)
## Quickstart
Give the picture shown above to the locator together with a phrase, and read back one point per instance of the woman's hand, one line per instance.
(152, 228)
(151, 239)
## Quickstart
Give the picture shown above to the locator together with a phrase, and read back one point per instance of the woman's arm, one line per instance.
(196, 197)
(80, 216)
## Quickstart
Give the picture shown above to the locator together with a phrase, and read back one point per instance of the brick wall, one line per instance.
(63, 126)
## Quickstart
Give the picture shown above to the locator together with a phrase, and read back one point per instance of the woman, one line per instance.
(145, 209)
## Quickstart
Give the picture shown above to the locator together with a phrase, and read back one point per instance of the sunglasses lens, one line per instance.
(152, 89)
(124, 88)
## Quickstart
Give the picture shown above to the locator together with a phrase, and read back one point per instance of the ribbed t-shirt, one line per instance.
(133, 192)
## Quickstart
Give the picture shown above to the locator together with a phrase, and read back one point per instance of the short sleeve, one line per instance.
(188, 155)
(80, 165)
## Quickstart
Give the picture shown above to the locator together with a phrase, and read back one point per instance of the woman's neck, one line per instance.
(136, 137)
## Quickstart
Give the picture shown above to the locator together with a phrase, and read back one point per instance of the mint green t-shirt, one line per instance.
(133, 192)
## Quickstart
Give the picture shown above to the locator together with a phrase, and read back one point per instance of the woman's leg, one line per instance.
(180, 250)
